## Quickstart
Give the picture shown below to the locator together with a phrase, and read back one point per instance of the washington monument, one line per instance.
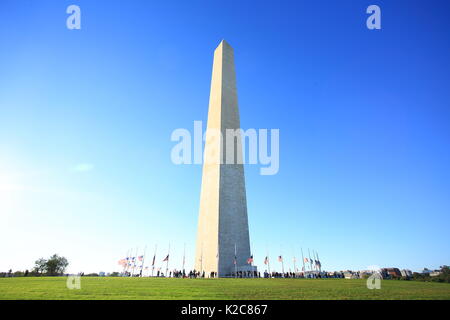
(223, 244)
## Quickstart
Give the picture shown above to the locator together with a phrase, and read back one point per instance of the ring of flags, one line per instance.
(128, 262)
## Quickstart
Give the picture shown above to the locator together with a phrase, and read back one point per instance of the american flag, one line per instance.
(306, 260)
(280, 258)
(235, 260)
(250, 260)
(154, 257)
(122, 262)
(140, 258)
(166, 258)
(266, 260)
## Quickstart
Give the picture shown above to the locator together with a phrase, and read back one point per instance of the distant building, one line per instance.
(348, 275)
(335, 274)
(426, 271)
(406, 273)
(351, 275)
(435, 273)
(390, 272)
(365, 274)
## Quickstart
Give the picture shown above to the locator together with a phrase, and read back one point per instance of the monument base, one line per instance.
(247, 268)
(243, 272)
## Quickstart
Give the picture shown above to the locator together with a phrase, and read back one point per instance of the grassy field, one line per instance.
(253, 289)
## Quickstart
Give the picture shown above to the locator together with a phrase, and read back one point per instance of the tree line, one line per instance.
(53, 266)
(444, 276)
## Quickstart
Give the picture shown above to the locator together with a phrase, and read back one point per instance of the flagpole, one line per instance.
(251, 261)
(184, 256)
(310, 261)
(315, 260)
(318, 260)
(303, 261)
(320, 263)
(167, 262)
(126, 265)
(201, 260)
(315, 264)
(154, 257)
(143, 259)
(217, 258)
(235, 260)
(134, 261)
(268, 262)
(310, 264)
(128, 261)
(309, 258)
(130, 267)
(295, 266)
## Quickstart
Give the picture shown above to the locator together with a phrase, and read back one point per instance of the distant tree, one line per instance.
(26, 273)
(92, 275)
(445, 275)
(56, 265)
(419, 276)
(18, 274)
(40, 266)
(114, 274)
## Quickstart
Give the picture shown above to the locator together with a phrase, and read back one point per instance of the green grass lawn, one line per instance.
(227, 289)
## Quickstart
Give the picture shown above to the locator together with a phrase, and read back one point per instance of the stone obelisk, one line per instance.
(223, 243)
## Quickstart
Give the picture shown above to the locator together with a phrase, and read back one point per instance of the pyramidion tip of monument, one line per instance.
(224, 43)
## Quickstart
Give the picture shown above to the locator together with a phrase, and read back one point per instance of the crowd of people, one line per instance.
(194, 274)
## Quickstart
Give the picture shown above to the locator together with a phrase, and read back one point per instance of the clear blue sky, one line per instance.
(86, 117)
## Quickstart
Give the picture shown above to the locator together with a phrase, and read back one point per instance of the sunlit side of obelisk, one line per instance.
(223, 224)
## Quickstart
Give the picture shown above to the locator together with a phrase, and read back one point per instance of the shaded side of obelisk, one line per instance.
(223, 223)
